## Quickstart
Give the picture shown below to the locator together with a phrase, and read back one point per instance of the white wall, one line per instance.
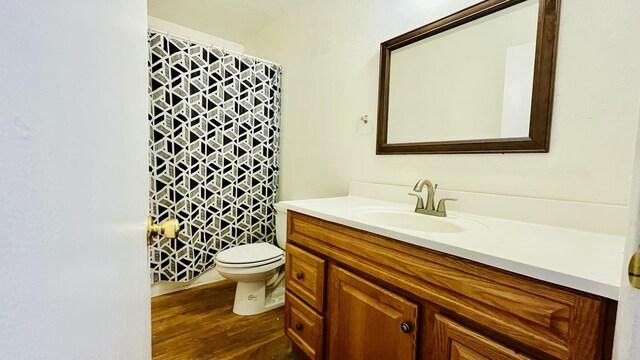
(73, 180)
(329, 51)
(172, 28)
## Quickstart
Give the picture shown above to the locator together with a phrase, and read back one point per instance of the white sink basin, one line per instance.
(409, 220)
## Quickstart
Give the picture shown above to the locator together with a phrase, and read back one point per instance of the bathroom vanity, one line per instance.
(358, 288)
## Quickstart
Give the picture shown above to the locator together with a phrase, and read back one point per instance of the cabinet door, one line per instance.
(365, 321)
(456, 342)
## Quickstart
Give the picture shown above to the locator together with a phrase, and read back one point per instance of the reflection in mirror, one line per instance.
(472, 82)
(477, 81)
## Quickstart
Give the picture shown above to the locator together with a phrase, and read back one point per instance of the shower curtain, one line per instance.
(214, 147)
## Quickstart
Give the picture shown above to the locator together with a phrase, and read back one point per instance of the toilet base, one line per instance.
(252, 298)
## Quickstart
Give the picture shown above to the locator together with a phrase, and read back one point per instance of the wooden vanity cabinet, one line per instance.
(356, 295)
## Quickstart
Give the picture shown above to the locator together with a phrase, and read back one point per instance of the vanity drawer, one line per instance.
(305, 276)
(303, 326)
(455, 341)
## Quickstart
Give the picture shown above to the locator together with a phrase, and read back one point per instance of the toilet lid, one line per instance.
(250, 254)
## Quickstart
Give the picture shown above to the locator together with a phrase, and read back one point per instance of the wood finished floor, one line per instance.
(199, 323)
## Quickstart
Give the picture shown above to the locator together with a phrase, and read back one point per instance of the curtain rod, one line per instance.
(180, 37)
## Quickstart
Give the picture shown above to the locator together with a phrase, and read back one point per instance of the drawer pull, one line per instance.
(298, 327)
(405, 328)
(299, 276)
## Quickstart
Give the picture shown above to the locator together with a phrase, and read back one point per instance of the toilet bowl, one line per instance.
(258, 270)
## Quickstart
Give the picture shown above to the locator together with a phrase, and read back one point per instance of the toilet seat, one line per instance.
(250, 264)
(225, 270)
(249, 255)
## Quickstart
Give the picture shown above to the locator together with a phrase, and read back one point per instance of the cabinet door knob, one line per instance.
(299, 276)
(298, 326)
(405, 328)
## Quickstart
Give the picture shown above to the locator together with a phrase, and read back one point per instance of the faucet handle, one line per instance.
(441, 204)
(420, 203)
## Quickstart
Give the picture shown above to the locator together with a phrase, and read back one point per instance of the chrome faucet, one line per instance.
(429, 208)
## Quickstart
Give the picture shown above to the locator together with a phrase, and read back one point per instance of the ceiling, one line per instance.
(235, 20)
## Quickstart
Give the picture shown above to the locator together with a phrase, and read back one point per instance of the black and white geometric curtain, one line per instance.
(214, 148)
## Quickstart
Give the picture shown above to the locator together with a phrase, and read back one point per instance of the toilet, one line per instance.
(258, 269)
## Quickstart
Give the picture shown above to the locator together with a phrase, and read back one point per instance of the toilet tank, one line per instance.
(281, 225)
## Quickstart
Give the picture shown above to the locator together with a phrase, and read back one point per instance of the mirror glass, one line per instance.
(473, 81)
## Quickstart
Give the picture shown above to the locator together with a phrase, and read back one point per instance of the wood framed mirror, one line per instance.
(477, 81)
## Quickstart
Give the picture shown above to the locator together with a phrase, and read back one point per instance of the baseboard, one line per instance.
(165, 287)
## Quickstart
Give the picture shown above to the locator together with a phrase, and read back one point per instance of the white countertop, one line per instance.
(575, 258)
